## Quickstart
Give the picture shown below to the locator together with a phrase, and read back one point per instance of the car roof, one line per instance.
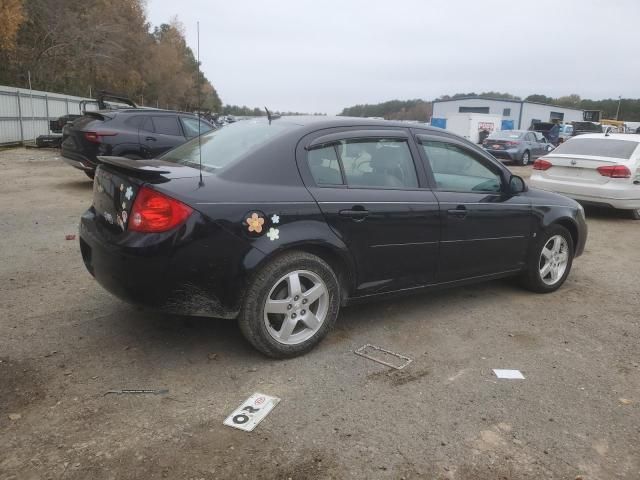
(322, 121)
(631, 137)
(155, 111)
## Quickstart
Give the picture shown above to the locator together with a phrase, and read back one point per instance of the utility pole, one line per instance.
(618, 110)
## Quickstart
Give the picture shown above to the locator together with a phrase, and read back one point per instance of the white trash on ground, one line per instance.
(251, 412)
(508, 374)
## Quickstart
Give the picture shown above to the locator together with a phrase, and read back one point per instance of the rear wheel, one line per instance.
(635, 214)
(291, 304)
(550, 260)
(526, 157)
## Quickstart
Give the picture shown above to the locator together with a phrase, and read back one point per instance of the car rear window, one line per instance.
(597, 147)
(506, 135)
(228, 144)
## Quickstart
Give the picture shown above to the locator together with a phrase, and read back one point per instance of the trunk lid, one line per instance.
(584, 169)
(500, 144)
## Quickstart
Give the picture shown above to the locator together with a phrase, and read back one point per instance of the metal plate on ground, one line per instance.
(384, 357)
(251, 412)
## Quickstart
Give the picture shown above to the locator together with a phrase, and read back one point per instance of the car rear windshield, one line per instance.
(228, 144)
(597, 147)
(506, 135)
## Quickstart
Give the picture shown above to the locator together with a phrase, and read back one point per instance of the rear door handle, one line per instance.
(356, 214)
(459, 211)
(151, 138)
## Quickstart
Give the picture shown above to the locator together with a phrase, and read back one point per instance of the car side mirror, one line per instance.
(517, 185)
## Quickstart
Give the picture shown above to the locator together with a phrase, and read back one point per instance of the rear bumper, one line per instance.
(623, 197)
(503, 154)
(178, 272)
(78, 161)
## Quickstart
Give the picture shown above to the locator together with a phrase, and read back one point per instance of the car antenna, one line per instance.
(271, 116)
(201, 182)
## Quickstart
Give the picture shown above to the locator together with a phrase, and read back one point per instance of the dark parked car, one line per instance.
(296, 217)
(519, 146)
(134, 133)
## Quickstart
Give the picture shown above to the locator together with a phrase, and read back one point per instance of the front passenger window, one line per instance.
(457, 170)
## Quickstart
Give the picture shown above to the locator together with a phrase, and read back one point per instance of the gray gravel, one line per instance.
(65, 342)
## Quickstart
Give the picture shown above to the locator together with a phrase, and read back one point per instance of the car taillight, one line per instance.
(541, 164)
(614, 171)
(153, 212)
(96, 137)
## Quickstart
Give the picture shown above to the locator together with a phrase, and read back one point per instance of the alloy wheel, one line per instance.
(554, 259)
(525, 158)
(296, 307)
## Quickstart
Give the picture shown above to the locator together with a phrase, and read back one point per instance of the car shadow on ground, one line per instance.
(80, 185)
(126, 332)
(604, 213)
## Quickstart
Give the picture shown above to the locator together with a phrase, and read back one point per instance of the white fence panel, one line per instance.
(25, 114)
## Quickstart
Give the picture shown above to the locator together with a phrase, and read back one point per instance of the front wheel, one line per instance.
(635, 214)
(290, 305)
(550, 260)
(525, 158)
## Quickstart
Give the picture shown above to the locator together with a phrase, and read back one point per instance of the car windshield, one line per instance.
(222, 147)
(506, 135)
(597, 147)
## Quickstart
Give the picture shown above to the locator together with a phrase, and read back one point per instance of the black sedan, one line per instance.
(290, 219)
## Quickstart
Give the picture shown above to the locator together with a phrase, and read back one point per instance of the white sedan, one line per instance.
(594, 169)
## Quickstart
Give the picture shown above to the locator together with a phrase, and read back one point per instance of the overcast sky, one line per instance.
(322, 56)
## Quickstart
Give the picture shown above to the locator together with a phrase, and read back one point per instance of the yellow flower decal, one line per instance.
(255, 223)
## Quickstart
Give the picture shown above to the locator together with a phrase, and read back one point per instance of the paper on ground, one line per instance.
(509, 374)
(251, 412)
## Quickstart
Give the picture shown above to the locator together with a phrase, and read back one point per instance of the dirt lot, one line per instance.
(65, 342)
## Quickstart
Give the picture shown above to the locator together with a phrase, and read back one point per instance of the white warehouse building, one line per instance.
(516, 114)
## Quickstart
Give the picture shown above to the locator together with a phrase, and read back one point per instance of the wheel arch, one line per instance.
(571, 226)
(337, 258)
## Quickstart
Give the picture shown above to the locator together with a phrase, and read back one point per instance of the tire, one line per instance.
(635, 214)
(533, 279)
(284, 332)
(89, 174)
(526, 158)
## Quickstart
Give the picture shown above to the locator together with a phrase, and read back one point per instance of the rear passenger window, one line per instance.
(135, 122)
(383, 163)
(146, 124)
(167, 125)
(324, 166)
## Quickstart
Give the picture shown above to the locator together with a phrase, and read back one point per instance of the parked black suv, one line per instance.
(133, 133)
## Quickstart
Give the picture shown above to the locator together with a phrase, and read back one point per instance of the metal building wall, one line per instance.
(25, 114)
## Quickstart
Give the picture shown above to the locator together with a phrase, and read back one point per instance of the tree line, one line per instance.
(421, 110)
(78, 47)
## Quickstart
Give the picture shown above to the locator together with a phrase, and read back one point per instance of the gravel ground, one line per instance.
(65, 342)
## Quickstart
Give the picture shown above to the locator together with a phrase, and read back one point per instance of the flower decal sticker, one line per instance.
(273, 234)
(275, 219)
(255, 222)
(129, 193)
